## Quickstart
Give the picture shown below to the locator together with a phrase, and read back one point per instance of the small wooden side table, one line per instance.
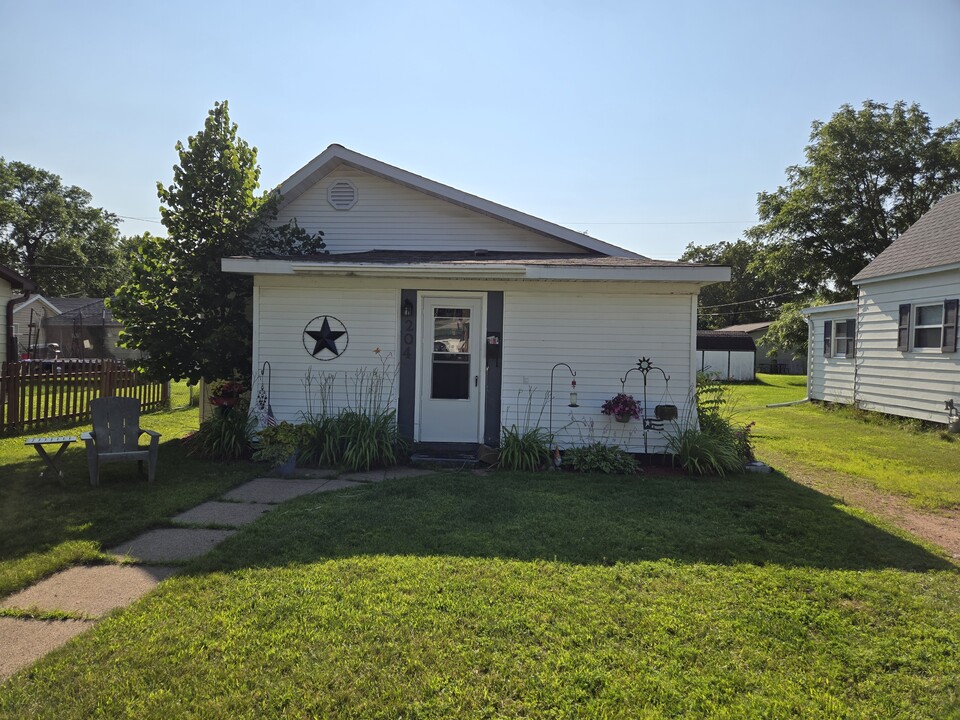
(63, 442)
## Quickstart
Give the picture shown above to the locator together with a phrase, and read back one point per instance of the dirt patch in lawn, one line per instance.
(941, 527)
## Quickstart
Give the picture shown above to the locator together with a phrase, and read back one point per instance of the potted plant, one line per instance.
(622, 407)
(225, 393)
(278, 446)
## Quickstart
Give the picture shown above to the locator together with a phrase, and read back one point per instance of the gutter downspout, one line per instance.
(11, 338)
(809, 367)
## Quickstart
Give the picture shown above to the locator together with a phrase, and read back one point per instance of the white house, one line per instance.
(894, 348)
(9, 280)
(474, 304)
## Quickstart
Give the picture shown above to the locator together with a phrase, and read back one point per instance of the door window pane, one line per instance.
(450, 371)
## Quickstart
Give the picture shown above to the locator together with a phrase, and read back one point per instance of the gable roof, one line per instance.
(71, 307)
(15, 280)
(724, 340)
(931, 242)
(747, 327)
(336, 155)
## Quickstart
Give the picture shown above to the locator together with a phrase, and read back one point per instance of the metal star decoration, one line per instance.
(325, 339)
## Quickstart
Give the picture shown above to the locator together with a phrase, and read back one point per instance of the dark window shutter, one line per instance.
(950, 308)
(851, 338)
(827, 338)
(903, 329)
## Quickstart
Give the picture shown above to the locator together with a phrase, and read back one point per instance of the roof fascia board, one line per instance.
(907, 274)
(38, 298)
(703, 275)
(336, 155)
(835, 307)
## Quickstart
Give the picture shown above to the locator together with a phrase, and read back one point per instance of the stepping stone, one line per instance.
(25, 641)
(268, 490)
(90, 590)
(234, 514)
(172, 544)
(394, 473)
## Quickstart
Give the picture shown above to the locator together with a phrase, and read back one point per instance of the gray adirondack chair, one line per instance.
(116, 436)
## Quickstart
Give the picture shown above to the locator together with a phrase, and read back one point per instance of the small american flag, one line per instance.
(271, 418)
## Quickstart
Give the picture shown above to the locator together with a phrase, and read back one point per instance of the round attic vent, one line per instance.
(342, 195)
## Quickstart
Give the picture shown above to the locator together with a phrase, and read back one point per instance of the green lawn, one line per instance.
(521, 595)
(45, 527)
(893, 456)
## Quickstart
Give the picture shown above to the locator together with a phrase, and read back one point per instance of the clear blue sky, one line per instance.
(647, 124)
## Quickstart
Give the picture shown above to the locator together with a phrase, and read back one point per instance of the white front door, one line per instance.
(451, 384)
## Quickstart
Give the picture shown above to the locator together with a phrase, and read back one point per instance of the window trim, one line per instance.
(916, 326)
(849, 338)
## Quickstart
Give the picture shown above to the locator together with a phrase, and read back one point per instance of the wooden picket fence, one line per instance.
(35, 393)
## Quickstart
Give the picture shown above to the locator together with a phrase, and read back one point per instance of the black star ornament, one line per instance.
(325, 338)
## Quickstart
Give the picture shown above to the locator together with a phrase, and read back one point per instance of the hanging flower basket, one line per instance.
(224, 401)
(225, 393)
(622, 407)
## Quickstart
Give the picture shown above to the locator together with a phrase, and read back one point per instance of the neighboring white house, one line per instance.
(729, 354)
(473, 302)
(8, 281)
(894, 348)
(82, 327)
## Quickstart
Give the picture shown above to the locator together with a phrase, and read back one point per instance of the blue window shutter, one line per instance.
(827, 338)
(903, 329)
(851, 338)
(950, 312)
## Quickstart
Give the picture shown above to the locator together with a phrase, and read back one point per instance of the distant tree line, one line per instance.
(869, 175)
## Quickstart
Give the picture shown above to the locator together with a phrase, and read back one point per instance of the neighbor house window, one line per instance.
(928, 326)
(839, 338)
(843, 338)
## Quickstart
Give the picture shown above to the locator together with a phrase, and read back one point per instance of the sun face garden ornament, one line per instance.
(325, 337)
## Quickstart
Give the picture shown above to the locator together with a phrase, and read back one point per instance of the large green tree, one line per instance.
(188, 318)
(50, 233)
(750, 296)
(869, 174)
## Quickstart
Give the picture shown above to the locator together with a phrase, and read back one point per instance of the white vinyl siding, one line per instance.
(283, 310)
(917, 382)
(830, 378)
(600, 334)
(599, 329)
(389, 216)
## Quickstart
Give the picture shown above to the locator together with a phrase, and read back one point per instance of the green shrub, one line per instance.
(524, 449)
(368, 440)
(701, 452)
(224, 436)
(600, 458)
(278, 443)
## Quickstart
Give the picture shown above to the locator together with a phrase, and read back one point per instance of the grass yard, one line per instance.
(894, 456)
(45, 527)
(519, 595)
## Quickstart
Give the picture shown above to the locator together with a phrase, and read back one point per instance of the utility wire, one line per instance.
(745, 302)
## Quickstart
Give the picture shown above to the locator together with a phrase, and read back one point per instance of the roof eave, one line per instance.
(833, 307)
(858, 280)
(703, 275)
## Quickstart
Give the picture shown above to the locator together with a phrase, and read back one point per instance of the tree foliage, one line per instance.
(751, 295)
(869, 175)
(188, 318)
(50, 233)
(788, 333)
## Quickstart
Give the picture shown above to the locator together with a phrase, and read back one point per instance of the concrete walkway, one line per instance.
(88, 593)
